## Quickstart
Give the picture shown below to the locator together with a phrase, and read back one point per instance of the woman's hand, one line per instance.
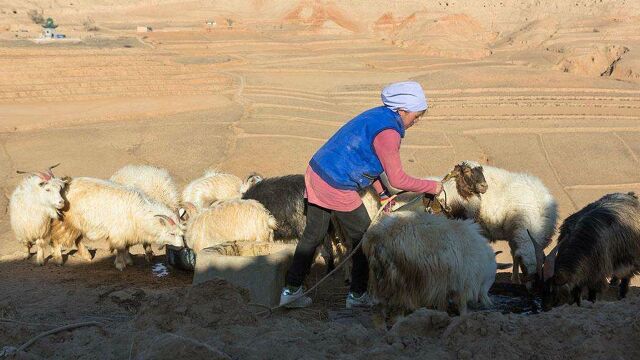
(438, 188)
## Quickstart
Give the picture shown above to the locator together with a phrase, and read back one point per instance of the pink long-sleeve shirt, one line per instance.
(387, 147)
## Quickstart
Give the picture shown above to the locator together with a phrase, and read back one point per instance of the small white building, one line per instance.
(144, 29)
(49, 29)
(48, 33)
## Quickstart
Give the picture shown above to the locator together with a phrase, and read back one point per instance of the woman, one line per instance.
(352, 159)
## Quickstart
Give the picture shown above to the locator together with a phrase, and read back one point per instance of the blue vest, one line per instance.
(347, 161)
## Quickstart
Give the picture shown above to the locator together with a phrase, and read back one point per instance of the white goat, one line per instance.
(214, 186)
(515, 207)
(418, 260)
(32, 206)
(232, 220)
(102, 210)
(156, 183)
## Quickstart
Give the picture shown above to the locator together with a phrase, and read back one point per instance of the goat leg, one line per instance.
(120, 262)
(327, 254)
(27, 250)
(515, 277)
(148, 253)
(624, 288)
(56, 253)
(83, 252)
(127, 256)
(577, 295)
(40, 252)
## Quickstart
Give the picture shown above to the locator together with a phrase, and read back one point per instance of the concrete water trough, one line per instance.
(257, 267)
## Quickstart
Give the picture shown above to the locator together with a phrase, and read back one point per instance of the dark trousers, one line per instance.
(355, 223)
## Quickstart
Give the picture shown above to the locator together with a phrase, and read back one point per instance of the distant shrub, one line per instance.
(36, 16)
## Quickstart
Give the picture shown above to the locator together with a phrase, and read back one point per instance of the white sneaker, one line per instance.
(363, 300)
(294, 299)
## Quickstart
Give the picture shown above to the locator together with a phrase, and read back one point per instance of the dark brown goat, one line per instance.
(599, 241)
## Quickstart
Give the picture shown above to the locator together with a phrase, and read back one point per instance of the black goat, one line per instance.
(599, 241)
(283, 196)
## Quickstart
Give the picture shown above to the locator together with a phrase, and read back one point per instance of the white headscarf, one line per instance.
(406, 95)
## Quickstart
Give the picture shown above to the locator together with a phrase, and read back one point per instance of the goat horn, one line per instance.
(51, 167)
(497, 252)
(449, 176)
(170, 220)
(539, 255)
(39, 174)
(549, 264)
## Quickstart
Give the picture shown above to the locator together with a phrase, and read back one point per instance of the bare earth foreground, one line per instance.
(547, 87)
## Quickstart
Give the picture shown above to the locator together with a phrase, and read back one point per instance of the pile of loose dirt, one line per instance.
(210, 304)
(607, 329)
(214, 320)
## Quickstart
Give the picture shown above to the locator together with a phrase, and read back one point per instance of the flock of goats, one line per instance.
(417, 258)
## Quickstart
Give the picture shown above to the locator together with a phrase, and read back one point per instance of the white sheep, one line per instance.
(32, 206)
(417, 259)
(156, 183)
(102, 210)
(214, 186)
(509, 206)
(232, 220)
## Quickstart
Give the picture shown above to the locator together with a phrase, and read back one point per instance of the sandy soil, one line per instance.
(547, 87)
